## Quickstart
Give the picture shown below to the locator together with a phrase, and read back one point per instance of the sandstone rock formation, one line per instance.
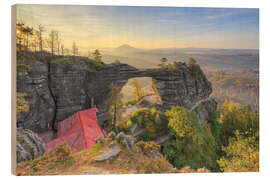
(28, 145)
(57, 89)
(205, 109)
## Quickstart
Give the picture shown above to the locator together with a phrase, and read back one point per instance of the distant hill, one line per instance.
(206, 57)
(125, 48)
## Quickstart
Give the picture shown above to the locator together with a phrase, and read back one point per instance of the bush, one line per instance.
(181, 121)
(65, 62)
(192, 145)
(147, 146)
(241, 155)
(191, 62)
(195, 68)
(23, 68)
(62, 152)
(21, 104)
(158, 165)
(215, 125)
(154, 122)
(51, 166)
(174, 67)
(123, 125)
(236, 117)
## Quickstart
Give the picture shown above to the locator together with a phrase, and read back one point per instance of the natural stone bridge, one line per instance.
(56, 91)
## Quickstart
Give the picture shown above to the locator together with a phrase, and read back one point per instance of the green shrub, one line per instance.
(23, 68)
(154, 122)
(147, 146)
(51, 166)
(192, 145)
(21, 104)
(65, 62)
(69, 162)
(181, 121)
(215, 125)
(174, 67)
(236, 117)
(123, 125)
(241, 155)
(195, 69)
(129, 102)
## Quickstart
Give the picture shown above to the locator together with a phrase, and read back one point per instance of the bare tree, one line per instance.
(75, 50)
(40, 36)
(52, 41)
(62, 50)
(35, 41)
(58, 42)
(19, 34)
(89, 54)
(67, 51)
(27, 31)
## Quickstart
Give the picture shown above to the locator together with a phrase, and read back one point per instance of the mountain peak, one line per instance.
(125, 48)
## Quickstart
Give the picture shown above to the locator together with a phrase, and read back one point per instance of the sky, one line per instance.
(147, 27)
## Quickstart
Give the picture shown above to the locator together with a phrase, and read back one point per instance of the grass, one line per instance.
(51, 166)
(59, 157)
(64, 160)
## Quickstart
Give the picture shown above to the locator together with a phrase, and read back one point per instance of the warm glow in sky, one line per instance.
(147, 27)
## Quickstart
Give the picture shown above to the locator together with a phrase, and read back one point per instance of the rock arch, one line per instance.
(60, 91)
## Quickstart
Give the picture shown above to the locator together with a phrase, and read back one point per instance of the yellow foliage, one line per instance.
(191, 62)
(179, 121)
(241, 155)
(21, 104)
(147, 146)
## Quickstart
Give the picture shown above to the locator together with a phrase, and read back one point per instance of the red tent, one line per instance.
(79, 131)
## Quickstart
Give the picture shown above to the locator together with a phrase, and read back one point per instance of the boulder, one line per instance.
(127, 141)
(112, 152)
(112, 134)
(21, 154)
(28, 145)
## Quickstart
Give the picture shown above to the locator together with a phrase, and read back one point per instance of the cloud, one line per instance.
(145, 27)
(219, 15)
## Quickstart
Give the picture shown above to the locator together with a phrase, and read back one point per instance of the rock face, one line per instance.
(42, 106)
(57, 90)
(28, 145)
(205, 109)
